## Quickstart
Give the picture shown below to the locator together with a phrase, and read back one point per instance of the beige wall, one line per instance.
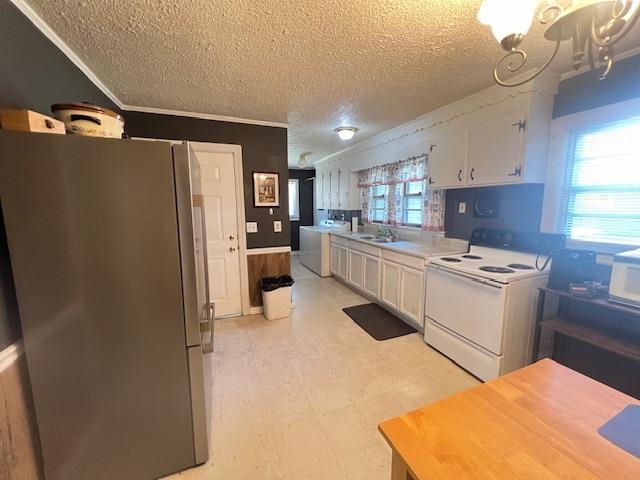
(19, 450)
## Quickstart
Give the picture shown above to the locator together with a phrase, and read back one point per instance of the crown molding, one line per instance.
(48, 32)
(203, 116)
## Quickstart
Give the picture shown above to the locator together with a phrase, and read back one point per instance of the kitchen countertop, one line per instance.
(539, 422)
(437, 245)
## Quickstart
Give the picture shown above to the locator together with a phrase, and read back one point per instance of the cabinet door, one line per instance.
(343, 265)
(326, 190)
(343, 188)
(317, 184)
(372, 275)
(390, 283)
(356, 269)
(495, 152)
(335, 259)
(411, 287)
(335, 190)
(448, 161)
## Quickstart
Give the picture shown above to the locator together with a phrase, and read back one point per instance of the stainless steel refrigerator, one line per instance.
(106, 242)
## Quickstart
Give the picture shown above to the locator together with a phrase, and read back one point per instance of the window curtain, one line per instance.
(395, 175)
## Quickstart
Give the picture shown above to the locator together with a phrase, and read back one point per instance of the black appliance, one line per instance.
(572, 266)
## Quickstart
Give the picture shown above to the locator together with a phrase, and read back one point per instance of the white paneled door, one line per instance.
(218, 176)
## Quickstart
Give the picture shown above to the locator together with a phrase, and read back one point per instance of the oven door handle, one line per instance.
(488, 283)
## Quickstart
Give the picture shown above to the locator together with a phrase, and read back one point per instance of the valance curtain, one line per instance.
(389, 180)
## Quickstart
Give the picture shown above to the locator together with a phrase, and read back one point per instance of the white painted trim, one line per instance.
(256, 310)
(48, 32)
(560, 133)
(236, 151)
(203, 116)
(172, 142)
(10, 355)
(267, 250)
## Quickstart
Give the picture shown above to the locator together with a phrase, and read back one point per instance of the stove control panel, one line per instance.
(530, 242)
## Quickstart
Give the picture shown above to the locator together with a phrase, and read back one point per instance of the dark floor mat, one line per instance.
(377, 322)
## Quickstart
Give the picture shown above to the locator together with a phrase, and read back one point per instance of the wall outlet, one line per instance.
(252, 227)
(277, 226)
(462, 207)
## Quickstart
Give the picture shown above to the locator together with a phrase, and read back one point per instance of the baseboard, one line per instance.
(255, 310)
(10, 355)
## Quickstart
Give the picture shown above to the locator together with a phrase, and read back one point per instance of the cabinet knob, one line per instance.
(471, 174)
(460, 175)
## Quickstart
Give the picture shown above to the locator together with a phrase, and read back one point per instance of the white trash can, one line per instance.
(276, 297)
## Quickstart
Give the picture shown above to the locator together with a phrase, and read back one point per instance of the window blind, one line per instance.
(600, 196)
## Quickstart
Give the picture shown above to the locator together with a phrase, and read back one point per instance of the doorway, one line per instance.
(222, 189)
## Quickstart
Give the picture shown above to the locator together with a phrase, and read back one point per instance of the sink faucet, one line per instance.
(387, 233)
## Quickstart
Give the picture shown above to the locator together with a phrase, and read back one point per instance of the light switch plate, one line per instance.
(277, 226)
(462, 207)
(252, 227)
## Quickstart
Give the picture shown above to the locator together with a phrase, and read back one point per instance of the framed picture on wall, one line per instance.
(266, 190)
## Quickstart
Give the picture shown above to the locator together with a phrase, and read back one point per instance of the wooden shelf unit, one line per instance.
(600, 338)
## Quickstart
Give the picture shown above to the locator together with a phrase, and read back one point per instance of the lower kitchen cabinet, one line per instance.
(356, 269)
(411, 290)
(339, 261)
(372, 275)
(391, 284)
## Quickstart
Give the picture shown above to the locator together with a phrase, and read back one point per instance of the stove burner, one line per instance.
(497, 270)
(450, 259)
(472, 257)
(520, 266)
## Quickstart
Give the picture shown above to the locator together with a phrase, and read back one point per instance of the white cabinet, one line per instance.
(391, 284)
(335, 259)
(326, 189)
(339, 257)
(343, 188)
(356, 269)
(448, 161)
(334, 196)
(319, 192)
(496, 152)
(411, 286)
(372, 275)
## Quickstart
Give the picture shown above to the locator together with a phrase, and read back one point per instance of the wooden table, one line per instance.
(539, 422)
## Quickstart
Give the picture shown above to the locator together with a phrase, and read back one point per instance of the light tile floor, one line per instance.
(301, 397)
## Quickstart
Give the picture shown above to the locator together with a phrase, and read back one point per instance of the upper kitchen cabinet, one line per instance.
(326, 189)
(318, 188)
(448, 161)
(496, 152)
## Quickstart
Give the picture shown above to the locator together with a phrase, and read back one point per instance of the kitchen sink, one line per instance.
(382, 240)
(364, 236)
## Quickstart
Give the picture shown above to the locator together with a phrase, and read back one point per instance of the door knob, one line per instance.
(231, 237)
(232, 249)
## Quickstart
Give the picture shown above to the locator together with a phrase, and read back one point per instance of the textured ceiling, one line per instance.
(315, 64)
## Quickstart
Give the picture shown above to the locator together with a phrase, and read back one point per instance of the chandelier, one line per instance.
(593, 26)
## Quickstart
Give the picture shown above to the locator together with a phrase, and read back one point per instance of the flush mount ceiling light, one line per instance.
(593, 26)
(346, 133)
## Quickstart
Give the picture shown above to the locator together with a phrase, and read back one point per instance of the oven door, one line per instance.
(474, 308)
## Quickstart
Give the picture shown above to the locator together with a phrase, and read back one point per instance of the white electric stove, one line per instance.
(314, 245)
(480, 306)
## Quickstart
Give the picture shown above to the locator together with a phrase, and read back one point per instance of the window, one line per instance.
(294, 200)
(379, 203)
(412, 204)
(600, 195)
